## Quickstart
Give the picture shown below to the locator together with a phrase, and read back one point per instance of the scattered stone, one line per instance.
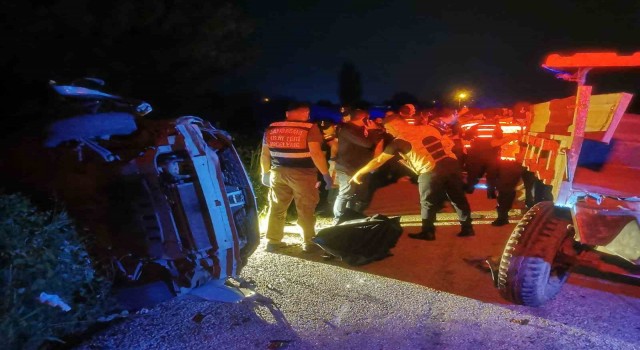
(522, 322)
(198, 318)
(278, 344)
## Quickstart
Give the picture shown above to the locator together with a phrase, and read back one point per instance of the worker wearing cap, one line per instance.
(429, 154)
(291, 156)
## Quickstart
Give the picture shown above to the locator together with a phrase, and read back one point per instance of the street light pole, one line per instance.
(461, 96)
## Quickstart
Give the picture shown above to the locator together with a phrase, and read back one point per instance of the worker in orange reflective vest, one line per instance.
(428, 152)
(509, 173)
(482, 157)
(291, 156)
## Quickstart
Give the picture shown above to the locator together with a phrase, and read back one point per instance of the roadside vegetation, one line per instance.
(50, 287)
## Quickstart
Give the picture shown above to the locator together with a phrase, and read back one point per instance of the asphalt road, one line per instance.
(428, 295)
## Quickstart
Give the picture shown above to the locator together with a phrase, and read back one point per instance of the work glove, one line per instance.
(266, 179)
(328, 181)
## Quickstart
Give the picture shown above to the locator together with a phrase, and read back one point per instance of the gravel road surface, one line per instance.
(428, 295)
(322, 306)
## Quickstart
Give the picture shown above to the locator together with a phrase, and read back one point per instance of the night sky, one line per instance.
(193, 56)
(431, 49)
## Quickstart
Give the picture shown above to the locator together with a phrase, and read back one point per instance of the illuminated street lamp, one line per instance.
(461, 96)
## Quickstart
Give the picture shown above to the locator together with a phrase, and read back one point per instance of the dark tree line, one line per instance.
(350, 92)
(164, 51)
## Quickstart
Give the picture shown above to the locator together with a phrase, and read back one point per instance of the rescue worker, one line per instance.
(379, 123)
(392, 170)
(535, 190)
(452, 129)
(345, 114)
(408, 113)
(429, 153)
(397, 168)
(356, 147)
(509, 173)
(482, 158)
(291, 156)
(330, 149)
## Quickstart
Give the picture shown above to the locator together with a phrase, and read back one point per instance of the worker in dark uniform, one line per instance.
(356, 147)
(508, 175)
(330, 149)
(429, 154)
(535, 190)
(291, 156)
(482, 158)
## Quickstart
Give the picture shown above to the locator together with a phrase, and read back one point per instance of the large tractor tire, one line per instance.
(532, 270)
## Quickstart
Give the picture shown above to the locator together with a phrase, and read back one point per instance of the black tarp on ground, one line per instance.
(362, 240)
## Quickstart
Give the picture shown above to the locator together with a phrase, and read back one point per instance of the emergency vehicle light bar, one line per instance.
(592, 59)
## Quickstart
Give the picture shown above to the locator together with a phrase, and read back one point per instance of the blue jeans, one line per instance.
(350, 195)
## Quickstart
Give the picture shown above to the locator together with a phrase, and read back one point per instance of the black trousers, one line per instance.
(444, 182)
(482, 161)
(509, 174)
(458, 150)
(535, 190)
(528, 179)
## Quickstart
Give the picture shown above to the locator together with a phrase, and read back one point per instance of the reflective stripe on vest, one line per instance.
(486, 131)
(287, 142)
(290, 155)
(306, 125)
(433, 145)
(510, 151)
(426, 147)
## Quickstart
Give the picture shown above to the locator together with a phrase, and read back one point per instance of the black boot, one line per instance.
(501, 220)
(428, 232)
(467, 231)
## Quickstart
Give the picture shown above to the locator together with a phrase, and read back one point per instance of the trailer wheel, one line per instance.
(531, 269)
